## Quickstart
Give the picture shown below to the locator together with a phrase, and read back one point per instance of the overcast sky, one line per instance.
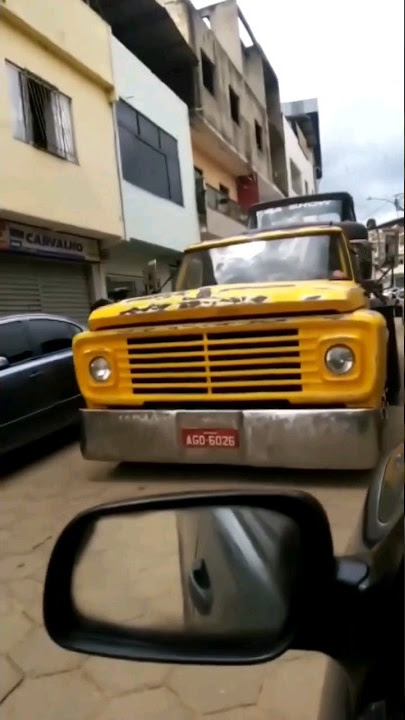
(349, 55)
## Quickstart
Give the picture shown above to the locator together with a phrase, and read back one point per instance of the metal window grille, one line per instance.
(43, 115)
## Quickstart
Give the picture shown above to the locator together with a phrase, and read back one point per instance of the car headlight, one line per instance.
(339, 360)
(100, 369)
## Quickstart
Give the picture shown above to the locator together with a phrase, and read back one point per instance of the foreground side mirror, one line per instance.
(131, 581)
(3, 362)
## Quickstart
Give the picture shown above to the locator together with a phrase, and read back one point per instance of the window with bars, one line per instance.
(42, 116)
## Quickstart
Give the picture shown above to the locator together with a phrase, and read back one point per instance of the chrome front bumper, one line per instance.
(294, 439)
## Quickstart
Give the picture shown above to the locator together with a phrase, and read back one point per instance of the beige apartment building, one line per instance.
(60, 203)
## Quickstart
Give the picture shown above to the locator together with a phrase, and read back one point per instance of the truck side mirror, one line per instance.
(151, 278)
(391, 249)
(364, 258)
(366, 268)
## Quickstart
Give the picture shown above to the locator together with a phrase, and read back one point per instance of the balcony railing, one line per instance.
(216, 200)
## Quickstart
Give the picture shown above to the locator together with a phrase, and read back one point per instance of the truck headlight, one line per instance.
(339, 359)
(100, 369)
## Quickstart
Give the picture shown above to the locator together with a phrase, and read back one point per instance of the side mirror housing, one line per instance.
(364, 254)
(4, 363)
(128, 580)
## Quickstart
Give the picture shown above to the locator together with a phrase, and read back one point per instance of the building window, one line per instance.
(208, 73)
(306, 188)
(42, 116)
(149, 155)
(296, 178)
(259, 136)
(234, 105)
(200, 191)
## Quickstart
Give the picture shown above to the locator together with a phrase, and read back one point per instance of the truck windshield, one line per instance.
(317, 211)
(313, 257)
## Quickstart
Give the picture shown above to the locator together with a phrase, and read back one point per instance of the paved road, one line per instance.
(38, 681)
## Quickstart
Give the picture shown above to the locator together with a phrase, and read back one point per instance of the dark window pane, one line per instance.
(168, 144)
(148, 131)
(234, 105)
(128, 152)
(14, 344)
(143, 166)
(208, 73)
(127, 116)
(259, 136)
(176, 191)
(51, 335)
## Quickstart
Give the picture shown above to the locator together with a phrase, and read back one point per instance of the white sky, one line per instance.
(349, 55)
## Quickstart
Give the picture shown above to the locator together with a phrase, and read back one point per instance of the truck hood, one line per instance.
(220, 301)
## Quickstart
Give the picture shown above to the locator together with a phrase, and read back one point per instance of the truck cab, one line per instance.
(268, 353)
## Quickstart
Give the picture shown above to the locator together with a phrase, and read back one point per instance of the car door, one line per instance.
(18, 397)
(52, 342)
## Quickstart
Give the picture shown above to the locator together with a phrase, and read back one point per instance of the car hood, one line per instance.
(232, 301)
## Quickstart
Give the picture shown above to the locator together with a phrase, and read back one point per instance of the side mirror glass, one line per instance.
(151, 278)
(215, 581)
(391, 249)
(3, 362)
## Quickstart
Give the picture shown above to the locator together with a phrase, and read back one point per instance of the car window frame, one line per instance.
(38, 355)
(24, 326)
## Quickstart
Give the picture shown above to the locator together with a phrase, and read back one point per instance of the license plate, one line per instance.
(214, 439)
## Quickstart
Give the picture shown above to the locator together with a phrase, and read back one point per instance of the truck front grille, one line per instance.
(214, 362)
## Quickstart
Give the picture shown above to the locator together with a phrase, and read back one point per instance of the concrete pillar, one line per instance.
(98, 283)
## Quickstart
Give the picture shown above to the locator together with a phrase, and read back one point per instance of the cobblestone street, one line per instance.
(39, 681)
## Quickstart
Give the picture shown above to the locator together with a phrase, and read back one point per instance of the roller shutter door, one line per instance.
(37, 285)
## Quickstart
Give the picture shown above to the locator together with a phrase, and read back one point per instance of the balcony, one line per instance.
(219, 215)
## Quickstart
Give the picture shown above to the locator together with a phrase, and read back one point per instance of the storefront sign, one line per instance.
(26, 239)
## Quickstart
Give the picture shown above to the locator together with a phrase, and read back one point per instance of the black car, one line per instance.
(38, 389)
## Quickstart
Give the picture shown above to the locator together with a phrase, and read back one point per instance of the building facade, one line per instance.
(387, 239)
(236, 107)
(157, 180)
(60, 205)
(302, 146)
(211, 61)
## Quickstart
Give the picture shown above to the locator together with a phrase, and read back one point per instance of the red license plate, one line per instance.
(214, 439)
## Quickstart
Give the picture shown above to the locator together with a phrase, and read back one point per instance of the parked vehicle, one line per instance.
(38, 389)
(258, 576)
(276, 350)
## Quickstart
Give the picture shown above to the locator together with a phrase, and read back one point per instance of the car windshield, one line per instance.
(316, 211)
(312, 257)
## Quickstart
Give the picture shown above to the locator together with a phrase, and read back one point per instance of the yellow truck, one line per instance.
(266, 354)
